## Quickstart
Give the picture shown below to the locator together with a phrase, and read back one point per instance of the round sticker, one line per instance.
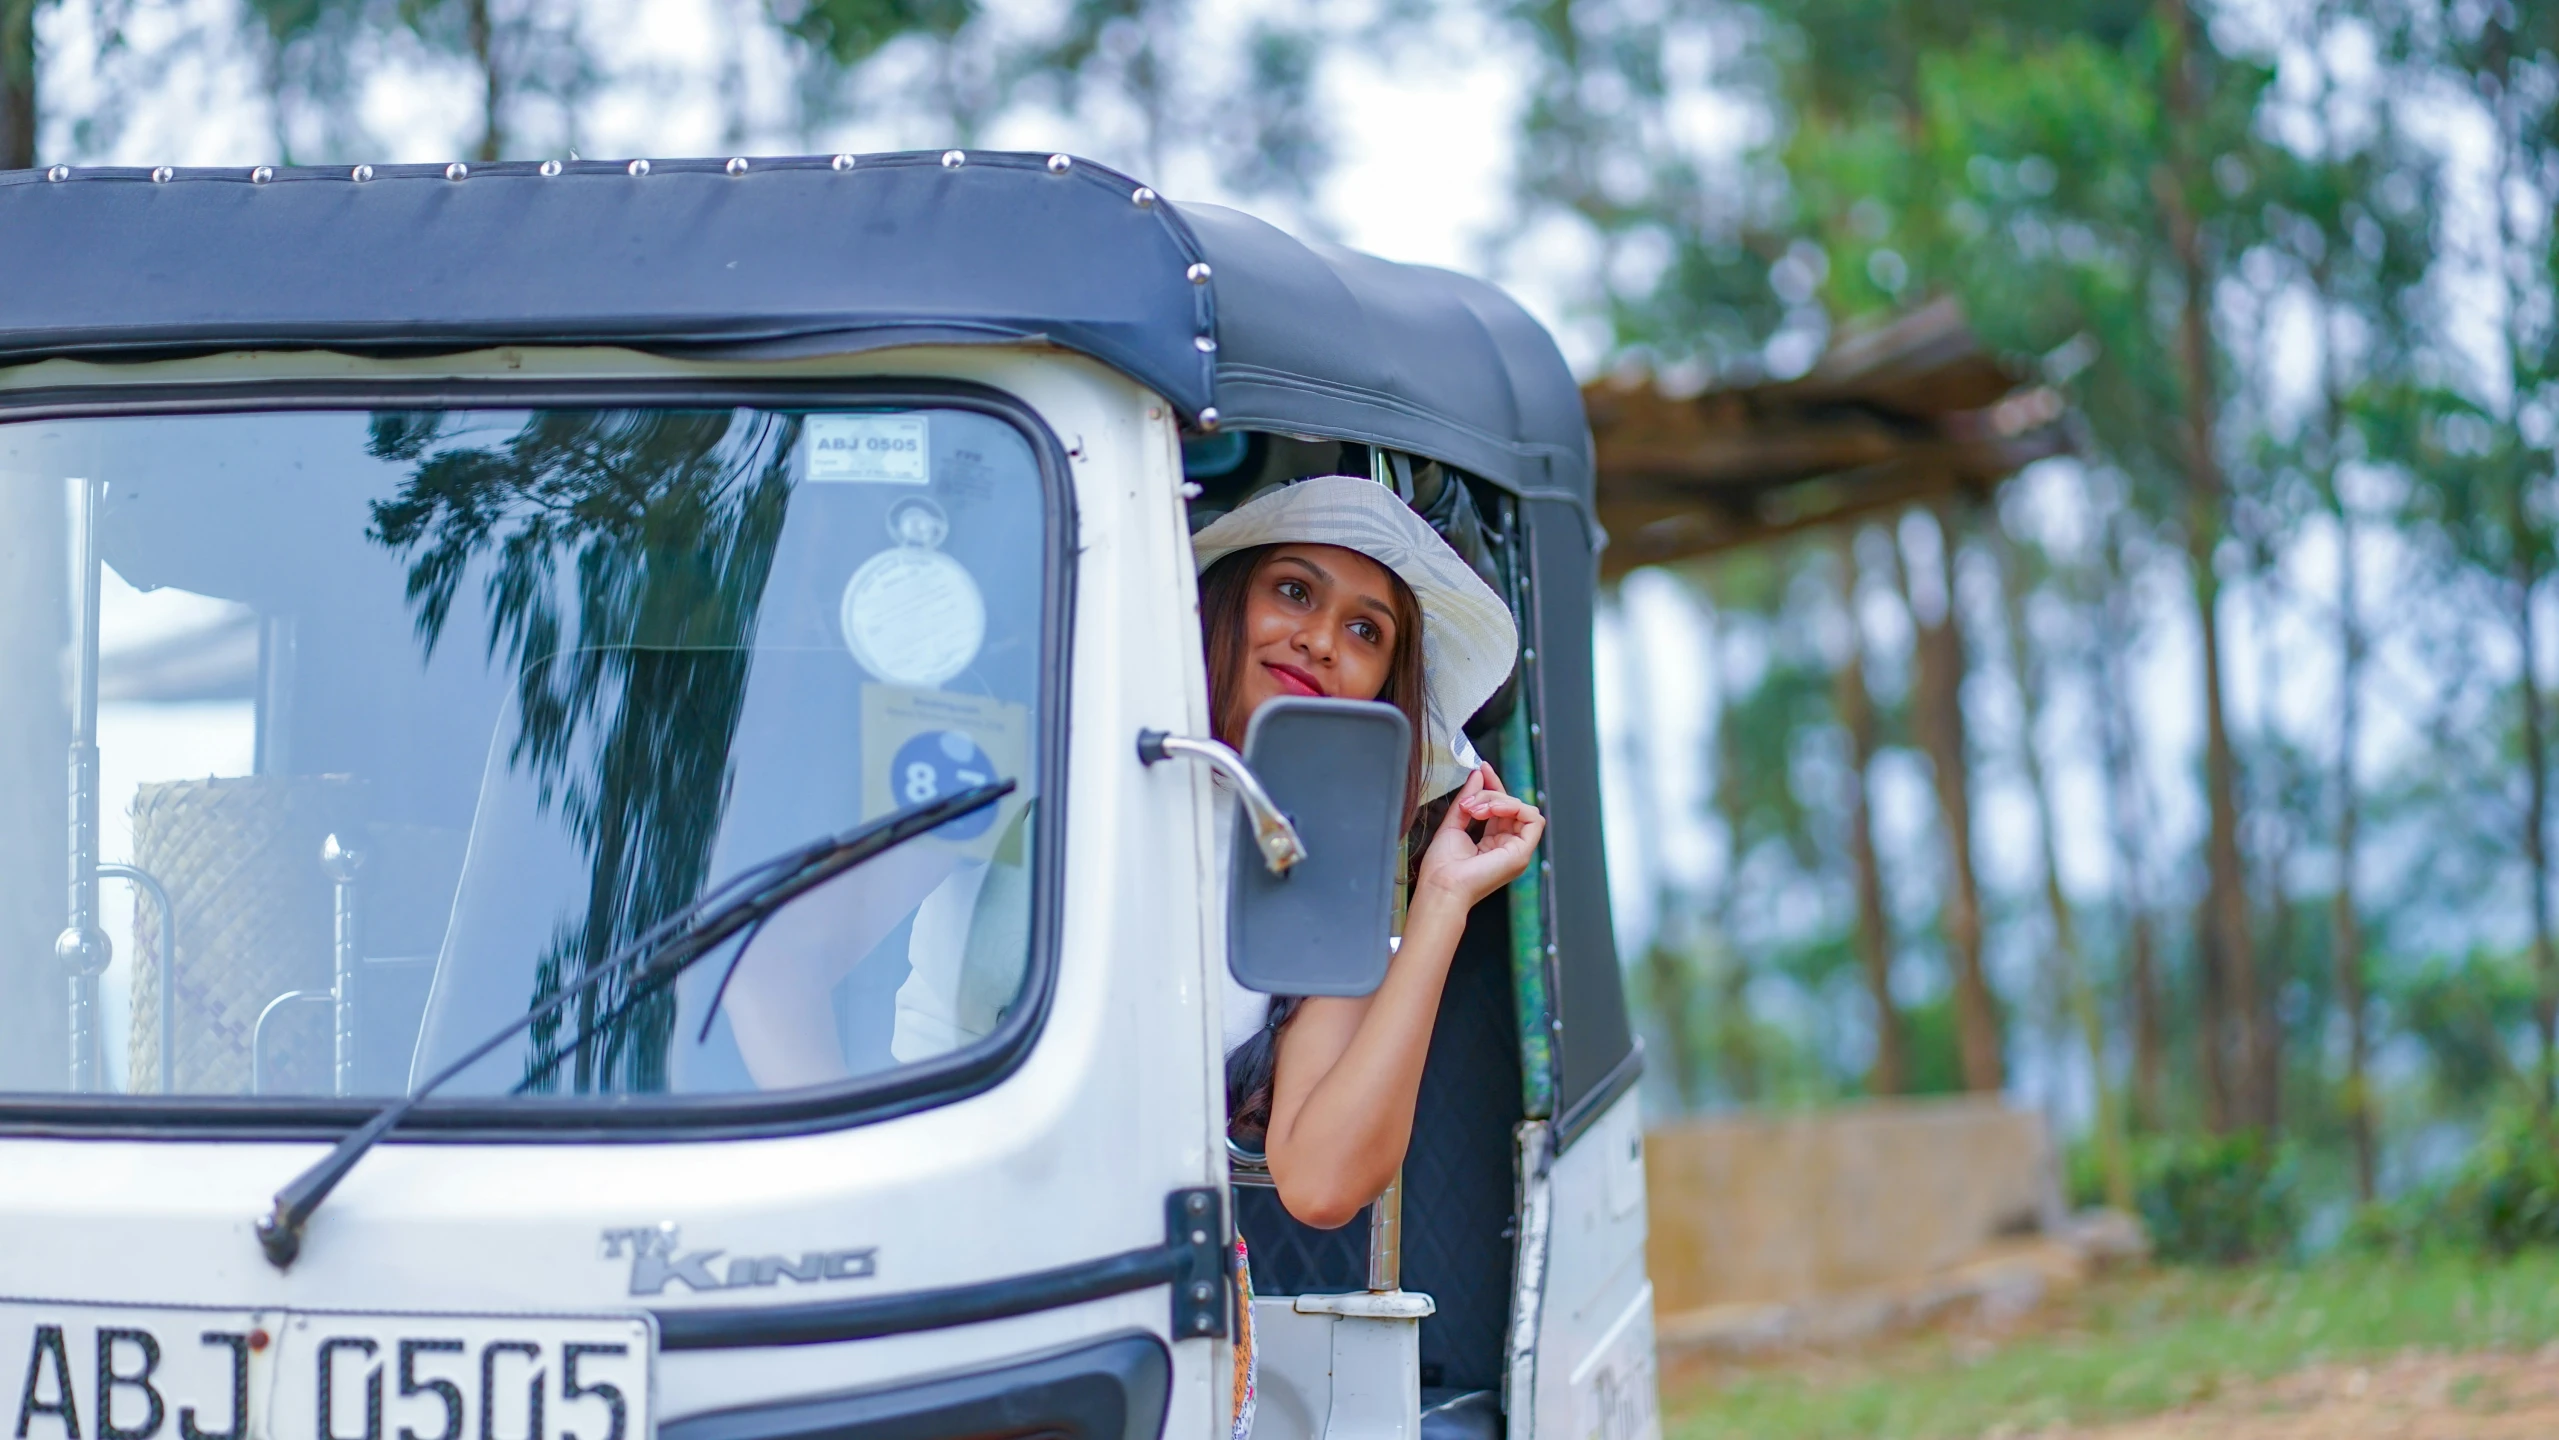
(938, 763)
(913, 615)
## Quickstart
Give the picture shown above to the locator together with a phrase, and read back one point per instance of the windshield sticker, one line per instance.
(920, 745)
(913, 615)
(868, 449)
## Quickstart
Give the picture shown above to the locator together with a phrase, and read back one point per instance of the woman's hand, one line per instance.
(1464, 866)
(1349, 1068)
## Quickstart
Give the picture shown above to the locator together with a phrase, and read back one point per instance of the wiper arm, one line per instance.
(663, 951)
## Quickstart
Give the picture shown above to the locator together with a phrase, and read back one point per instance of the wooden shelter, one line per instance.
(1910, 412)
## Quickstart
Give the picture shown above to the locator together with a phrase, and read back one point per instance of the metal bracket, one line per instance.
(1272, 831)
(1195, 1231)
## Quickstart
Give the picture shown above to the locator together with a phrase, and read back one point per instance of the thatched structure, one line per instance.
(1905, 413)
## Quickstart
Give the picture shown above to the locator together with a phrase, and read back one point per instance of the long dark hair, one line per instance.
(1224, 588)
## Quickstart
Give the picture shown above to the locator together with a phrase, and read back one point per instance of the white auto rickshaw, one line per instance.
(478, 606)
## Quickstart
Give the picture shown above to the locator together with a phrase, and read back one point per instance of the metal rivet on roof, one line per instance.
(638, 167)
(1142, 197)
(58, 173)
(361, 172)
(1206, 344)
(736, 165)
(262, 175)
(1208, 417)
(1060, 164)
(550, 168)
(841, 162)
(162, 174)
(1198, 273)
(457, 171)
(953, 159)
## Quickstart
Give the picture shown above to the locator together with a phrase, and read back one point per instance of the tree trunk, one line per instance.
(2345, 922)
(2227, 975)
(2536, 836)
(1736, 1038)
(2128, 813)
(1940, 715)
(1891, 1072)
(2070, 980)
(2231, 1035)
(18, 113)
(482, 38)
(2281, 836)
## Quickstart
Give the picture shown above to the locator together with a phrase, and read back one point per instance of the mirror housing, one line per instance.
(1336, 768)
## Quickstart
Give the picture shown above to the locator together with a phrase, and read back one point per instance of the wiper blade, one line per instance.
(666, 949)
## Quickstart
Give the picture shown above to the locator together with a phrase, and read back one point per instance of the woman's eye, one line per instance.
(1294, 590)
(1365, 631)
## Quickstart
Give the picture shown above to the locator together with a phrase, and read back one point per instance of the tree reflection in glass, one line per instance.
(622, 555)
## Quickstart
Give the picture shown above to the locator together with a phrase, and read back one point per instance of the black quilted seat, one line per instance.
(1457, 1183)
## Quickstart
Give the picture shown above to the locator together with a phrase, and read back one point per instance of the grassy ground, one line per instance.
(2127, 1346)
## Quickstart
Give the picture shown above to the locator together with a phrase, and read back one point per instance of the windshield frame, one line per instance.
(903, 1090)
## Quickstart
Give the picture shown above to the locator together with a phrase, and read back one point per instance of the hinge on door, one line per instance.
(1195, 1233)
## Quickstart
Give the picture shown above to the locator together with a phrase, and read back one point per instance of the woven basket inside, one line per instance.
(241, 861)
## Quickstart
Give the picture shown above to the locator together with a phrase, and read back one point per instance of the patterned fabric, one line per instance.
(1469, 641)
(1248, 1368)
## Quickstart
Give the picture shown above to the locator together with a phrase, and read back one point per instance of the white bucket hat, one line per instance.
(1469, 640)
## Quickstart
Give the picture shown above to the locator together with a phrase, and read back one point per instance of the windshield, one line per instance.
(414, 717)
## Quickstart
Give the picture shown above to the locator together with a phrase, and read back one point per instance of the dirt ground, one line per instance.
(2350, 1350)
(2410, 1397)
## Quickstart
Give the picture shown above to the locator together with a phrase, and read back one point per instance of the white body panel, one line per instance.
(1593, 1353)
(1339, 1367)
(1068, 1158)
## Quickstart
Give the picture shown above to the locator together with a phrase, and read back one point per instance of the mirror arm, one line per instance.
(1272, 831)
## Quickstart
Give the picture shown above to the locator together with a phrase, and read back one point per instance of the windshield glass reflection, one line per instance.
(533, 679)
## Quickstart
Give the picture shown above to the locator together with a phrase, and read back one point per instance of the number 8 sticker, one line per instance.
(944, 762)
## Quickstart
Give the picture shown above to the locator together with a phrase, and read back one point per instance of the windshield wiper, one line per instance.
(661, 953)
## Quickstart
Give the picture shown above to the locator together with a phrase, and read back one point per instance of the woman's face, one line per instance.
(1318, 620)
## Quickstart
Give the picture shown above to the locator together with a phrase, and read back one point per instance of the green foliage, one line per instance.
(2133, 1346)
(2465, 1014)
(1934, 1050)
(2507, 1192)
(2216, 1199)
(849, 32)
(2502, 1200)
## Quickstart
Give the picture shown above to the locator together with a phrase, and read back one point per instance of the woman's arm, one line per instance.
(1349, 1070)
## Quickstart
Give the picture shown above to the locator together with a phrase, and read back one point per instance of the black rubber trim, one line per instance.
(1620, 1079)
(1191, 1259)
(1114, 1389)
(625, 1119)
(730, 1327)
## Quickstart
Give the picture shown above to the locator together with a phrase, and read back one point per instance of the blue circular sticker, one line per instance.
(938, 763)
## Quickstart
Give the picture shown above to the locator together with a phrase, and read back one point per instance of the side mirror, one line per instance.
(1336, 769)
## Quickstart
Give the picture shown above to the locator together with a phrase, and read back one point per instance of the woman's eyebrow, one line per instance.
(1300, 561)
(1325, 577)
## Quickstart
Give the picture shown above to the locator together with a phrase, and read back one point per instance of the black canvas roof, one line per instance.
(788, 257)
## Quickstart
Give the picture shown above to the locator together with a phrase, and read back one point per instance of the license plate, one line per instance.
(113, 1372)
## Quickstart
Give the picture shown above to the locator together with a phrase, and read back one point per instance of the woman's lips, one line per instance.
(1293, 680)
